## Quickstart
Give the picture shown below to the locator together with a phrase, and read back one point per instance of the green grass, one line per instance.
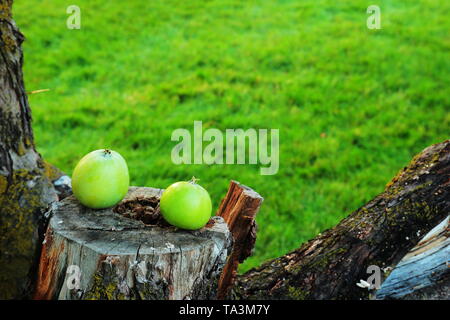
(352, 105)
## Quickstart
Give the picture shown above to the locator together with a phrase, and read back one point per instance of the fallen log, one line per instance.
(424, 273)
(380, 233)
(128, 252)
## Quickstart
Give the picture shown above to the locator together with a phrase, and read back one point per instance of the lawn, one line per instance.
(353, 105)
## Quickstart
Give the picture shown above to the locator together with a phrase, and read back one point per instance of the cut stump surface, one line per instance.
(103, 254)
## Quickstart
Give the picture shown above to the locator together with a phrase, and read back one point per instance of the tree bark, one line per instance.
(25, 179)
(379, 233)
(104, 254)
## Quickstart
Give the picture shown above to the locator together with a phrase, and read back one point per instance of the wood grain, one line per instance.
(238, 209)
(427, 265)
(122, 258)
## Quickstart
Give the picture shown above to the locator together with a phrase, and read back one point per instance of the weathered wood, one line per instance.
(379, 233)
(123, 258)
(25, 182)
(425, 271)
(238, 209)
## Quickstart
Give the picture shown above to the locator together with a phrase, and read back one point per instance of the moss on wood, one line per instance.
(21, 204)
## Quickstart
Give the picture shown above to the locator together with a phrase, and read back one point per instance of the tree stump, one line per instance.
(105, 254)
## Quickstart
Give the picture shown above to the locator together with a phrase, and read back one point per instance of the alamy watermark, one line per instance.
(234, 146)
(74, 20)
(374, 280)
(374, 20)
(74, 277)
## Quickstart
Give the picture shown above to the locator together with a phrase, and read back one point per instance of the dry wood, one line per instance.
(123, 258)
(238, 209)
(424, 273)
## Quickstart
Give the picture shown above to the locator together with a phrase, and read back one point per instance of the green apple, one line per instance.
(186, 205)
(100, 179)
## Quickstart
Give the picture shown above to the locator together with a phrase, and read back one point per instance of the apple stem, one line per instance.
(194, 180)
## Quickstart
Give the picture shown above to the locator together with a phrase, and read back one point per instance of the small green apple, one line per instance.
(186, 205)
(100, 179)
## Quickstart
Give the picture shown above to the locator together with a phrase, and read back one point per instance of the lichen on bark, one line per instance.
(25, 189)
(22, 202)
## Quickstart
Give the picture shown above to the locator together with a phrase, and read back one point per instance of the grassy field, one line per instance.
(352, 105)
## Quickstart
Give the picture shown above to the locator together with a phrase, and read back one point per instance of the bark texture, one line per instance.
(25, 179)
(379, 233)
(102, 254)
